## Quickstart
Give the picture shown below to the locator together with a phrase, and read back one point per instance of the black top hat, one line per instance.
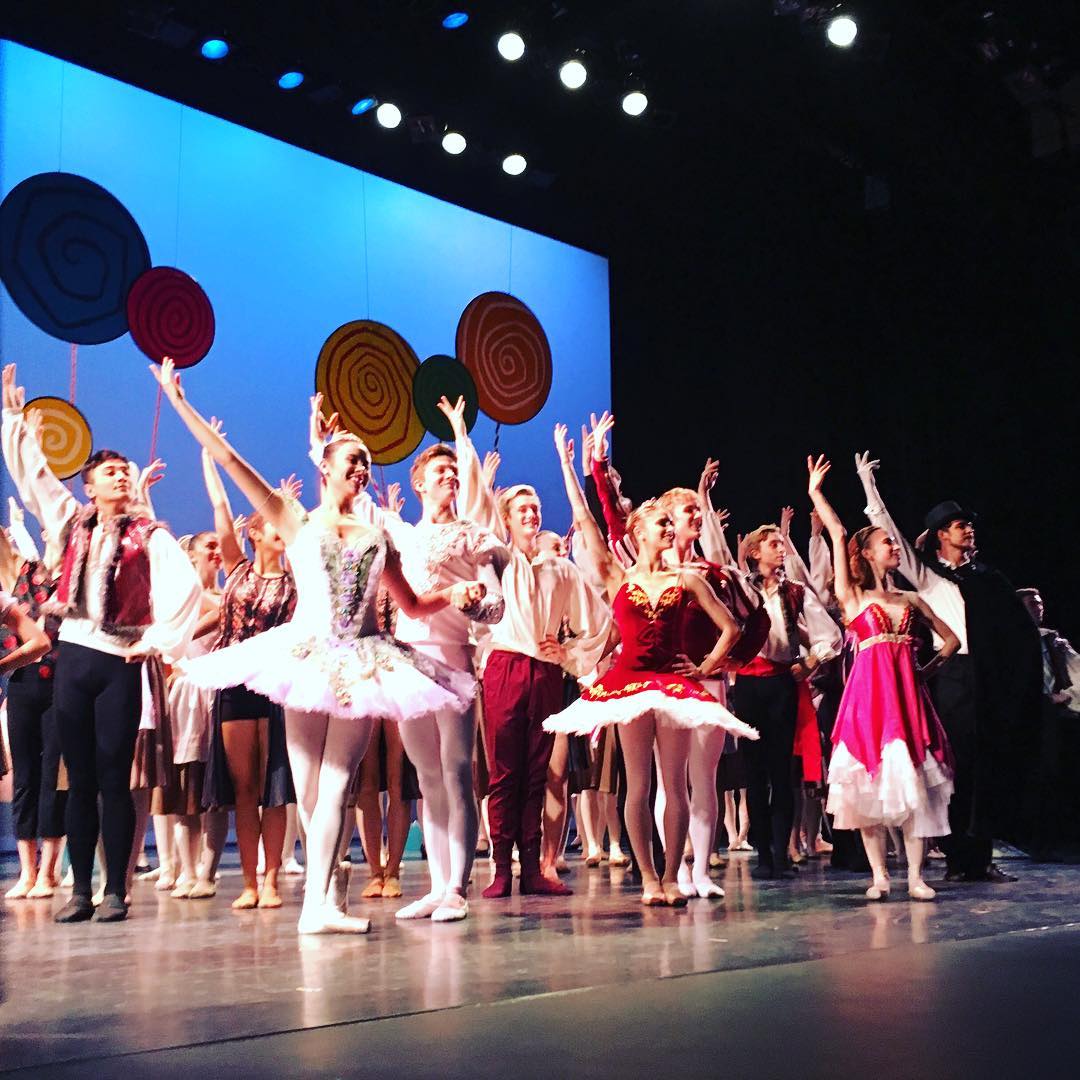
(945, 513)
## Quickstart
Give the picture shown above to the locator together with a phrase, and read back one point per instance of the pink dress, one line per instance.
(891, 760)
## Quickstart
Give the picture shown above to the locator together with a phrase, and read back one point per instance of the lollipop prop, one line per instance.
(66, 440)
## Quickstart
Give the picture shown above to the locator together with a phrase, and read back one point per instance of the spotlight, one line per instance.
(455, 20)
(514, 164)
(290, 80)
(842, 31)
(573, 74)
(635, 102)
(511, 46)
(388, 114)
(453, 142)
(215, 49)
(365, 104)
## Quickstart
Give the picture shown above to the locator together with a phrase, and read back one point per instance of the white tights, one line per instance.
(324, 753)
(706, 748)
(441, 749)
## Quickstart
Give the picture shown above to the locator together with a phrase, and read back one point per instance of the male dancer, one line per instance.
(987, 695)
(439, 552)
(126, 591)
(553, 622)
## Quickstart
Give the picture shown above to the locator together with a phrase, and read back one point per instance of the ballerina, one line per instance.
(330, 666)
(653, 692)
(891, 763)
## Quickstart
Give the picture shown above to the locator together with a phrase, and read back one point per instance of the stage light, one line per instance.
(635, 103)
(514, 164)
(365, 104)
(453, 142)
(388, 114)
(290, 80)
(573, 74)
(215, 49)
(842, 31)
(511, 46)
(455, 20)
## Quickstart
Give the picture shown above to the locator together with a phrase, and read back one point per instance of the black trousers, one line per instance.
(970, 847)
(36, 806)
(769, 703)
(98, 701)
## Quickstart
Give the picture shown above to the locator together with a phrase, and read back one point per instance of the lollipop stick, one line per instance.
(157, 419)
(498, 428)
(74, 368)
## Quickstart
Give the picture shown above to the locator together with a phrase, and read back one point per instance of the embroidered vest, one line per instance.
(126, 599)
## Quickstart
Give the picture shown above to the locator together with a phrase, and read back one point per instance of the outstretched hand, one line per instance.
(291, 487)
(601, 428)
(817, 470)
(786, 514)
(168, 378)
(563, 445)
(708, 476)
(14, 396)
(455, 415)
(321, 428)
(492, 460)
(152, 474)
(864, 466)
(395, 503)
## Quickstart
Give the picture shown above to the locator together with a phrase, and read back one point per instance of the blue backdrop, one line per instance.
(288, 246)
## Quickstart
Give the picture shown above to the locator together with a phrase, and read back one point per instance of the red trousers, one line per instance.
(520, 693)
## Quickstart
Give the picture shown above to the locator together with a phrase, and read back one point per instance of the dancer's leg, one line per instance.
(165, 843)
(673, 745)
(25, 742)
(188, 845)
(456, 738)
(397, 811)
(421, 740)
(243, 757)
(707, 744)
(915, 847)
(874, 843)
(305, 737)
(555, 806)
(140, 801)
(292, 832)
(369, 813)
(637, 739)
(215, 834)
(589, 821)
(271, 827)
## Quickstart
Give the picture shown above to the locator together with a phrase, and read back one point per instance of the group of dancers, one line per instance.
(640, 644)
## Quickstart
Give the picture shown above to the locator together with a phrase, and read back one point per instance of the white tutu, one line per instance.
(190, 715)
(372, 676)
(585, 716)
(900, 791)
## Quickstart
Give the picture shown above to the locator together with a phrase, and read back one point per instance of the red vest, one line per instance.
(126, 603)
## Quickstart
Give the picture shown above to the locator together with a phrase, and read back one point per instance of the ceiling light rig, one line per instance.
(365, 104)
(453, 142)
(214, 49)
(634, 102)
(455, 20)
(290, 80)
(573, 73)
(842, 31)
(514, 164)
(511, 46)
(388, 115)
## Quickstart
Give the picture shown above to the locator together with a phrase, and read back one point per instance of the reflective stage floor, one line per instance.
(803, 979)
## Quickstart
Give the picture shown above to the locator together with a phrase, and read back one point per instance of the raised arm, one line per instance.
(820, 560)
(713, 542)
(476, 500)
(232, 551)
(17, 533)
(845, 592)
(584, 523)
(265, 499)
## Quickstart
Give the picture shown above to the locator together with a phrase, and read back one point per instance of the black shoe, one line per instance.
(955, 876)
(763, 872)
(995, 875)
(111, 909)
(77, 909)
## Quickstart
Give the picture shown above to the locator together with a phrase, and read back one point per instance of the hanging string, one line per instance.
(157, 419)
(74, 370)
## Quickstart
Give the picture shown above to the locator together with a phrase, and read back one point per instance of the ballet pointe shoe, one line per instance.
(247, 900)
(327, 920)
(879, 890)
(919, 890)
(202, 890)
(423, 908)
(453, 908)
(293, 868)
(166, 881)
(708, 890)
(391, 888)
(182, 890)
(673, 894)
(21, 889)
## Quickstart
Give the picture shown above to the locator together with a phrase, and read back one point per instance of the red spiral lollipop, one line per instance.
(505, 348)
(365, 374)
(170, 315)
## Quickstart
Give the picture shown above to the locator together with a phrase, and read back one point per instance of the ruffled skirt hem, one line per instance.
(585, 716)
(899, 792)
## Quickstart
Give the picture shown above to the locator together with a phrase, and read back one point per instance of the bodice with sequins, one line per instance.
(252, 604)
(650, 631)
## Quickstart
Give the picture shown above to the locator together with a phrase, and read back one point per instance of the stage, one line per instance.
(800, 979)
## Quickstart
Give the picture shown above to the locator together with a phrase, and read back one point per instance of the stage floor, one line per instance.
(243, 995)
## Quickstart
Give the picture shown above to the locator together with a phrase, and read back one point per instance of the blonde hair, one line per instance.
(507, 497)
(755, 538)
(640, 513)
(676, 495)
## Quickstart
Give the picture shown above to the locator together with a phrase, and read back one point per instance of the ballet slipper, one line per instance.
(373, 889)
(454, 908)
(202, 890)
(673, 895)
(42, 890)
(68, 879)
(269, 898)
(423, 908)
(617, 859)
(715, 862)
(98, 896)
(20, 890)
(391, 889)
(111, 909)
(688, 889)
(593, 860)
(183, 890)
(742, 845)
(293, 868)
(166, 882)
(77, 909)
(921, 891)
(147, 875)
(879, 890)
(708, 890)
(323, 920)
(653, 896)
(247, 900)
